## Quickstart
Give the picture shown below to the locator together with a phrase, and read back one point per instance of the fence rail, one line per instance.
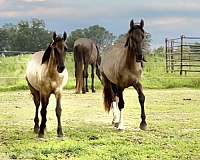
(182, 54)
(14, 53)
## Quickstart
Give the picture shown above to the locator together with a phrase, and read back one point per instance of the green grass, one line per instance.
(172, 116)
(12, 72)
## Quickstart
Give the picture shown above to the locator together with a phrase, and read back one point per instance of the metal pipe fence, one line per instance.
(182, 54)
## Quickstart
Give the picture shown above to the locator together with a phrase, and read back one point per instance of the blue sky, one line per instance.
(163, 18)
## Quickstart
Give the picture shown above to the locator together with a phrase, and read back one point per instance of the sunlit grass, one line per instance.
(172, 116)
(12, 72)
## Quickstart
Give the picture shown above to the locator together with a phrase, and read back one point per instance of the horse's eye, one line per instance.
(65, 49)
(142, 36)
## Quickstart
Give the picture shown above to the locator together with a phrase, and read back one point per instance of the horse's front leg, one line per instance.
(141, 97)
(58, 114)
(36, 98)
(121, 109)
(44, 102)
(115, 111)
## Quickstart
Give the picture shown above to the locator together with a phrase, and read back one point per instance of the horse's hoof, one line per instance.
(83, 92)
(143, 125)
(36, 129)
(77, 92)
(115, 124)
(60, 135)
(120, 127)
(87, 90)
(93, 90)
(40, 135)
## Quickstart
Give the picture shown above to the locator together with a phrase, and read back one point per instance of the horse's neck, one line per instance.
(130, 59)
(52, 65)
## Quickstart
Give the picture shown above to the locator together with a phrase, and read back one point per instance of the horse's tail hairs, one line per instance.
(107, 94)
(79, 66)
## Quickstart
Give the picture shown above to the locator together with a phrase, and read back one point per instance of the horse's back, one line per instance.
(33, 71)
(87, 48)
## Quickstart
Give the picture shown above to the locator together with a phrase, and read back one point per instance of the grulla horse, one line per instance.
(86, 53)
(46, 74)
(121, 67)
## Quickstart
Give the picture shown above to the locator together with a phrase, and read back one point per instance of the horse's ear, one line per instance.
(64, 36)
(46, 55)
(54, 36)
(131, 24)
(142, 23)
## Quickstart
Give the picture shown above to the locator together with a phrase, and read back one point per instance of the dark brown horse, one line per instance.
(85, 52)
(121, 67)
(46, 74)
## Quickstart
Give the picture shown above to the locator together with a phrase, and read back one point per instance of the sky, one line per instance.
(163, 18)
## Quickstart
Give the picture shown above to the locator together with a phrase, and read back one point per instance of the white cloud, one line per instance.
(33, 0)
(167, 23)
(173, 5)
(2, 2)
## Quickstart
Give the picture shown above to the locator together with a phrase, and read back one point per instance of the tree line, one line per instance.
(34, 36)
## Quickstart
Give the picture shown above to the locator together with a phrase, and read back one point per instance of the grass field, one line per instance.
(12, 73)
(172, 116)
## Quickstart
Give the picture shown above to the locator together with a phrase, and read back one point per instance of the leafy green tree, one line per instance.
(25, 36)
(100, 35)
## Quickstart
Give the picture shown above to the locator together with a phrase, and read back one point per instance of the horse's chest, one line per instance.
(127, 79)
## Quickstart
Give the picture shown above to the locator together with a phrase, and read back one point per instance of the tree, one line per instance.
(40, 36)
(25, 36)
(147, 43)
(98, 34)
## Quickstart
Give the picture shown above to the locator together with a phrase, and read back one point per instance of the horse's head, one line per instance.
(135, 38)
(59, 47)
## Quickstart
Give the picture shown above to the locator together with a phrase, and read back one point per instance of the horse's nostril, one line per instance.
(140, 57)
(61, 68)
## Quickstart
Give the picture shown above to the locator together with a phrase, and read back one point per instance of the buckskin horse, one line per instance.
(85, 52)
(46, 74)
(121, 67)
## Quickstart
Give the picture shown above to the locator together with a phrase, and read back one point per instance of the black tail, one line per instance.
(108, 95)
(79, 66)
(98, 62)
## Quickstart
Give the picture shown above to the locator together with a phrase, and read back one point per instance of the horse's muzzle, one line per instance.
(60, 68)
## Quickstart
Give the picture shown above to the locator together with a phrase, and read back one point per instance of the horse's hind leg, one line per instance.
(85, 77)
(58, 114)
(92, 76)
(141, 97)
(36, 99)
(121, 108)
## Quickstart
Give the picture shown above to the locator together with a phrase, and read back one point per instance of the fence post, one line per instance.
(166, 50)
(181, 69)
(172, 57)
